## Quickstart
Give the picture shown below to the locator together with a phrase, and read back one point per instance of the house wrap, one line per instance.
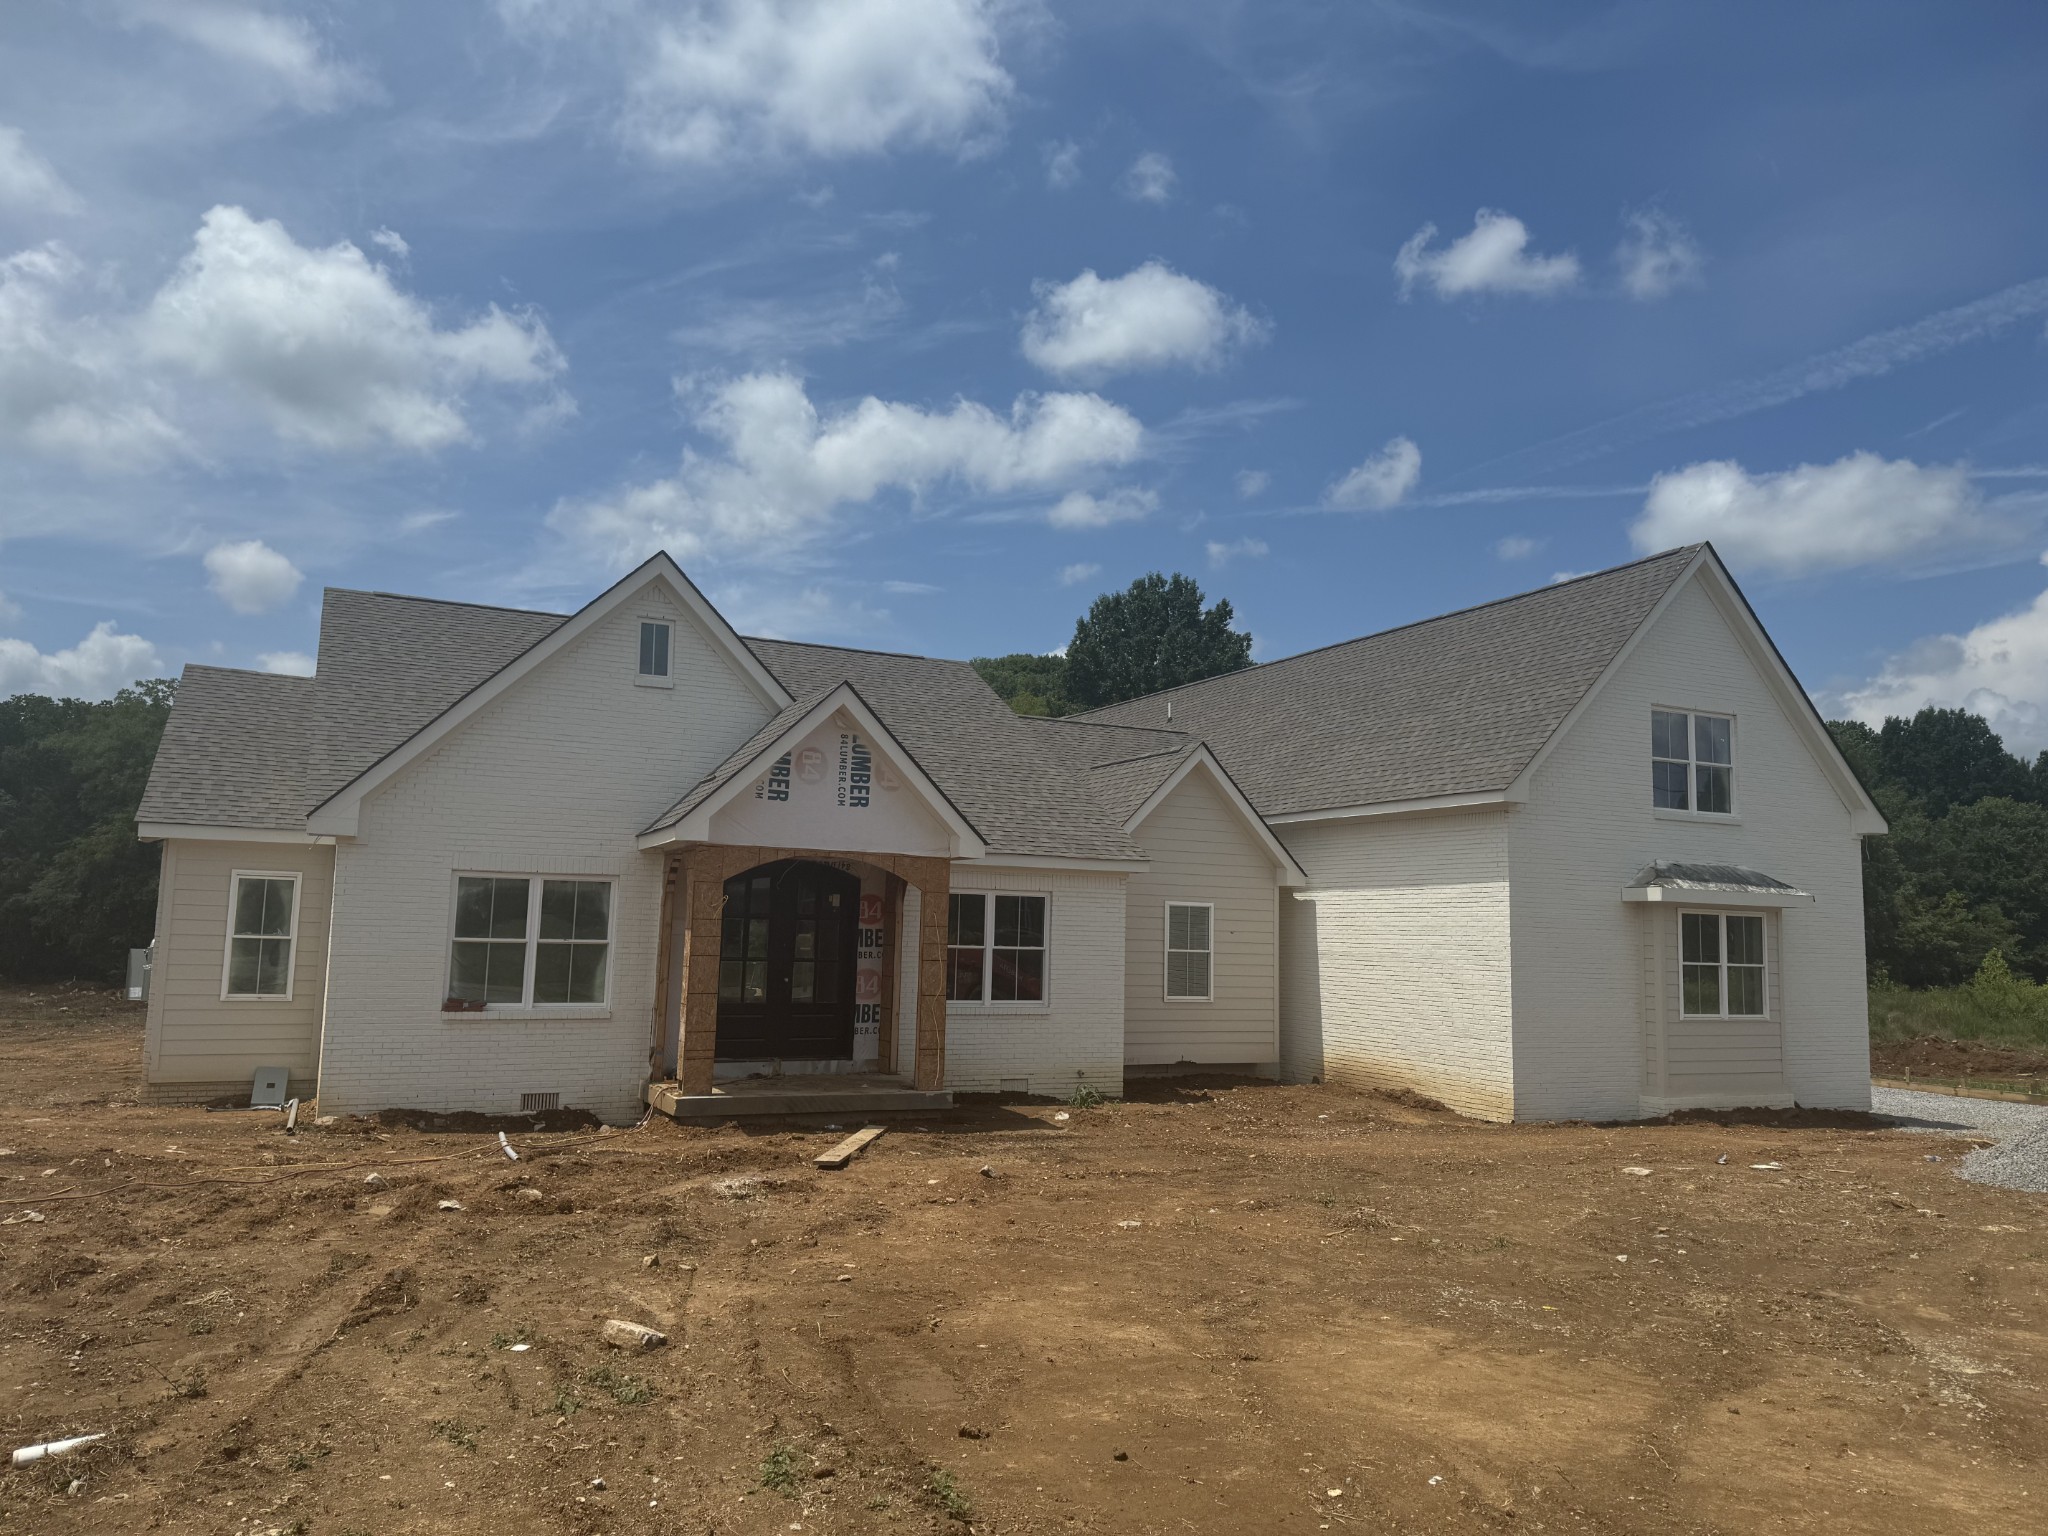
(1584, 852)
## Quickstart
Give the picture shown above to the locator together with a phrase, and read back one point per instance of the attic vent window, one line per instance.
(654, 639)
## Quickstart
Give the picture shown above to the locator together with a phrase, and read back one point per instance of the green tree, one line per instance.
(1949, 757)
(1029, 684)
(77, 891)
(1154, 634)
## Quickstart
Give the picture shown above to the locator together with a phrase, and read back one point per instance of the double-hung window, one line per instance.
(521, 941)
(1189, 928)
(995, 948)
(1692, 762)
(1721, 965)
(263, 927)
(655, 635)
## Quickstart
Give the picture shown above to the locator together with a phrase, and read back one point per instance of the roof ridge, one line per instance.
(207, 666)
(1145, 757)
(856, 650)
(447, 602)
(1395, 629)
(1109, 725)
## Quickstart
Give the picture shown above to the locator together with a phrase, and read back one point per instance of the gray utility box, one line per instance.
(138, 973)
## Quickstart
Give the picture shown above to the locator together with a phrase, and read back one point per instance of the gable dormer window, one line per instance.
(1692, 762)
(654, 653)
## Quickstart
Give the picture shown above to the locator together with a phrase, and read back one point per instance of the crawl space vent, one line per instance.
(533, 1103)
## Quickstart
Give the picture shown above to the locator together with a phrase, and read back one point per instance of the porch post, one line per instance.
(704, 887)
(892, 966)
(935, 883)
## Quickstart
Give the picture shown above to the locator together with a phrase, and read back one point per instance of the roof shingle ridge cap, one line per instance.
(1112, 725)
(1687, 550)
(283, 677)
(855, 650)
(447, 602)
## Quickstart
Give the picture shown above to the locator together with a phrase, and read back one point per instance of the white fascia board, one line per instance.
(157, 831)
(339, 814)
(1706, 896)
(1289, 872)
(696, 826)
(1477, 799)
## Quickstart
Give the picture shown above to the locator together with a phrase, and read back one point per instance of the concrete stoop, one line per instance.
(844, 1093)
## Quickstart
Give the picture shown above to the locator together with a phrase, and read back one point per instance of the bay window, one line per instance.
(1721, 965)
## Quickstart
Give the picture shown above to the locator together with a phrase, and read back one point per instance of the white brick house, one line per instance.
(1584, 852)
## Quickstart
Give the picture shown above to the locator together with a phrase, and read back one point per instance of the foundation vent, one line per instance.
(534, 1103)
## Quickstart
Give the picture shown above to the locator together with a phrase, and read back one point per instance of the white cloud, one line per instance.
(1222, 554)
(288, 663)
(1493, 258)
(68, 386)
(1151, 178)
(28, 181)
(251, 577)
(1515, 547)
(1998, 670)
(807, 613)
(782, 468)
(1085, 509)
(1062, 165)
(1657, 255)
(334, 353)
(1382, 481)
(10, 610)
(1080, 571)
(1252, 482)
(1859, 510)
(104, 662)
(911, 588)
(1151, 317)
(718, 83)
(283, 51)
(391, 240)
(430, 517)
(1557, 577)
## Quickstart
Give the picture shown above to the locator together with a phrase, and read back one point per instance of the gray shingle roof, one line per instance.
(233, 752)
(1021, 795)
(1452, 705)
(389, 665)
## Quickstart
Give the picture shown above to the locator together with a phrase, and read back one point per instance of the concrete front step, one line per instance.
(823, 1094)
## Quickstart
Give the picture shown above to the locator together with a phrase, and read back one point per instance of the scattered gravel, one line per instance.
(2018, 1161)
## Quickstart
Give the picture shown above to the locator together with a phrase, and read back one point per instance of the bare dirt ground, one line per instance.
(1221, 1309)
(2022, 1066)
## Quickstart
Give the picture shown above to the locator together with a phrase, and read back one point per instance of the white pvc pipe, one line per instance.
(29, 1453)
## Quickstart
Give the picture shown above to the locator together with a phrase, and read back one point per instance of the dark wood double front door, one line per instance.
(786, 960)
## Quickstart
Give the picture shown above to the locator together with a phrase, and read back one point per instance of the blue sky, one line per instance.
(916, 323)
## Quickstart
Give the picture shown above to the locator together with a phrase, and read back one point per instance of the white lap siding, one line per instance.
(554, 778)
(1395, 964)
(1076, 1037)
(1201, 851)
(1586, 982)
(196, 1046)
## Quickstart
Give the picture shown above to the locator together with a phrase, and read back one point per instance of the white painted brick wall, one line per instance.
(1395, 960)
(1588, 828)
(556, 777)
(1077, 1037)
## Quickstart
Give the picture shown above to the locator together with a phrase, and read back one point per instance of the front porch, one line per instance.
(810, 1093)
(686, 1077)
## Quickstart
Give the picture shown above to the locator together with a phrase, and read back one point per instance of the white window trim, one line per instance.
(1692, 767)
(668, 678)
(1722, 917)
(985, 1003)
(526, 1008)
(291, 954)
(1167, 952)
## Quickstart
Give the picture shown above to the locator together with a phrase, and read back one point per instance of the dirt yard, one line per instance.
(1221, 1309)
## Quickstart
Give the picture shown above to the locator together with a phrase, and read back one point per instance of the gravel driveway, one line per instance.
(2018, 1161)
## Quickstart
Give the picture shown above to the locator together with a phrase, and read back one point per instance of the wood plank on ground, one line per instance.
(850, 1148)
